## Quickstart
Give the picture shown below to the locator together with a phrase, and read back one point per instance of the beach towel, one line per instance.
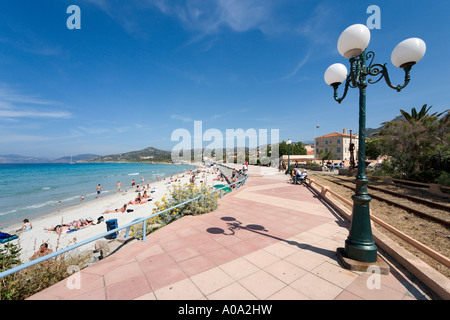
(6, 237)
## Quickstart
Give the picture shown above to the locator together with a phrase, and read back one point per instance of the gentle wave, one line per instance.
(44, 185)
(7, 212)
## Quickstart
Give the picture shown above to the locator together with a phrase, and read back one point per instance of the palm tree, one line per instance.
(417, 116)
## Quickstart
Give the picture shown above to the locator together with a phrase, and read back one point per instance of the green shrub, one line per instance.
(206, 202)
(27, 282)
(444, 179)
(384, 170)
(313, 164)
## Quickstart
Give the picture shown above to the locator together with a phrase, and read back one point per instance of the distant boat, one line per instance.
(71, 162)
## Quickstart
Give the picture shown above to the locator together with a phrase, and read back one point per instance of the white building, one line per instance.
(338, 144)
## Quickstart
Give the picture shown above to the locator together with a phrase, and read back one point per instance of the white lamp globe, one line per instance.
(288, 142)
(353, 40)
(335, 74)
(408, 52)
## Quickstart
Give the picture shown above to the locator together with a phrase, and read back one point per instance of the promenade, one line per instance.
(269, 240)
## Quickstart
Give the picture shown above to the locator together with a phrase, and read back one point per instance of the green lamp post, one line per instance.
(352, 44)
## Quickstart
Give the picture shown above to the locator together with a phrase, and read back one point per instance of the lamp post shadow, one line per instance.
(235, 225)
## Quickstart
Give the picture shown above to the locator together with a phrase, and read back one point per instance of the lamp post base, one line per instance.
(379, 265)
(361, 252)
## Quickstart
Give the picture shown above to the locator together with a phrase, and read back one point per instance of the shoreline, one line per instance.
(17, 221)
(30, 241)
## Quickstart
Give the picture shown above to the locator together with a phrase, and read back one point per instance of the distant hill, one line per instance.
(15, 158)
(79, 157)
(146, 155)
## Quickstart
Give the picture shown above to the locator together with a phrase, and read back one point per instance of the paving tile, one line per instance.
(183, 253)
(239, 268)
(281, 250)
(104, 266)
(345, 295)
(187, 231)
(181, 290)
(242, 248)
(261, 258)
(208, 245)
(262, 284)
(304, 260)
(220, 256)
(316, 288)
(96, 294)
(285, 271)
(149, 252)
(288, 293)
(123, 272)
(196, 265)
(323, 231)
(234, 291)
(329, 244)
(44, 295)
(211, 280)
(308, 238)
(147, 296)
(128, 289)
(172, 245)
(366, 287)
(335, 274)
(156, 262)
(165, 276)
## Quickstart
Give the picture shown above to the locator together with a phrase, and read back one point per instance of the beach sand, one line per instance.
(31, 240)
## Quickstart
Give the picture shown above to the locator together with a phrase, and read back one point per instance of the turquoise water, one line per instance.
(27, 190)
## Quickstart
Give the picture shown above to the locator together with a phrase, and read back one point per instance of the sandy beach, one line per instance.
(31, 240)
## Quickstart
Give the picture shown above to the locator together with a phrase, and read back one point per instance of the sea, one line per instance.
(30, 190)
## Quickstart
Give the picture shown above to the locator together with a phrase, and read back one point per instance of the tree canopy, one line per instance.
(296, 148)
(418, 144)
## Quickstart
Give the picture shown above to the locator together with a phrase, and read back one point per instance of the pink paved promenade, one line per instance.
(267, 241)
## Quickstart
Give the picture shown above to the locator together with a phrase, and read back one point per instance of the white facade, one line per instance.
(338, 144)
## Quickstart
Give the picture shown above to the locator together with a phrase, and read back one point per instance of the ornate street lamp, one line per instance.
(288, 171)
(352, 44)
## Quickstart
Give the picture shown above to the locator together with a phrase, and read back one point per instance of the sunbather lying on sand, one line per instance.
(60, 228)
(123, 209)
(74, 225)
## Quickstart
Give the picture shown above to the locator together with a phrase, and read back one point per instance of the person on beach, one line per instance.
(88, 222)
(59, 228)
(123, 209)
(26, 226)
(82, 198)
(133, 183)
(137, 200)
(99, 190)
(118, 186)
(43, 251)
(76, 224)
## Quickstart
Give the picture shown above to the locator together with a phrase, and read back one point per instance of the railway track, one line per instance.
(423, 208)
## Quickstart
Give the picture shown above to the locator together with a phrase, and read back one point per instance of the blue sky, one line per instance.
(138, 70)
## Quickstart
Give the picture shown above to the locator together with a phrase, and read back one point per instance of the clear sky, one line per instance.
(139, 69)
